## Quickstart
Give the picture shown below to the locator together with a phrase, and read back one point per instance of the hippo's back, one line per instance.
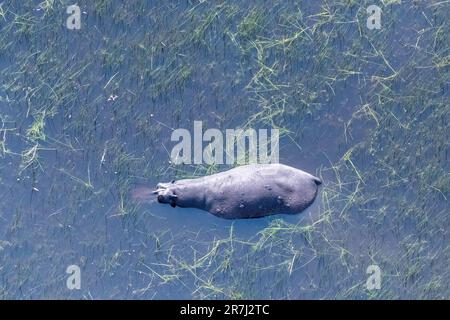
(259, 190)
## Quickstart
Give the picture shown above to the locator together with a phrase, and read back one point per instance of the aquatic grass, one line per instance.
(370, 108)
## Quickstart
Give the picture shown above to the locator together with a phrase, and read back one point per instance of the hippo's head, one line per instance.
(166, 193)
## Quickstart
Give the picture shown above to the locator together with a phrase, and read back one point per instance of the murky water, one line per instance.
(86, 117)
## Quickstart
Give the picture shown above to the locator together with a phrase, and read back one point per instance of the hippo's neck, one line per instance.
(190, 193)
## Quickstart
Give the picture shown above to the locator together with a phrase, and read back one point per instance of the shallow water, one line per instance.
(86, 117)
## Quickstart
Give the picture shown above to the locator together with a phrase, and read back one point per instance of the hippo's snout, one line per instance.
(165, 194)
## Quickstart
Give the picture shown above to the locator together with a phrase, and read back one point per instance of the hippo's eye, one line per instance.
(160, 198)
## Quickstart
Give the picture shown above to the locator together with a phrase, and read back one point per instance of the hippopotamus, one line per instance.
(249, 191)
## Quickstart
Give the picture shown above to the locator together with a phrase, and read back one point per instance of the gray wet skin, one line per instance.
(249, 191)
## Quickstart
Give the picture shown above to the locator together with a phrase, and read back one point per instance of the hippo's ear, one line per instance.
(317, 181)
(173, 199)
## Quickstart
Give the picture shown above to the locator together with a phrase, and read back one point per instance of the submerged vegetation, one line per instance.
(86, 115)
